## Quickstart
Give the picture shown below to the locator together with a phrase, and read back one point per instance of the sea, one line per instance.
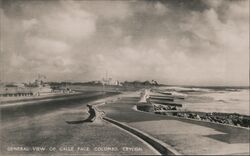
(213, 99)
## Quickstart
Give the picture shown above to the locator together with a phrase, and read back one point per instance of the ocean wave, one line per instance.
(185, 89)
(217, 101)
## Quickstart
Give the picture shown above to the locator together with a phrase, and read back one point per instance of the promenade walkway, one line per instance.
(184, 135)
(40, 128)
(54, 125)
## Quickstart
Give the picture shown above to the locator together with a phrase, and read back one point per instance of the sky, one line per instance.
(177, 42)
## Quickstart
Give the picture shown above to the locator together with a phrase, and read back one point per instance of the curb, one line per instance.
(160, 146)
(190, 119)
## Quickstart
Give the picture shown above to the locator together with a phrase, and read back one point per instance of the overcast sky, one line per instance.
(175, 42)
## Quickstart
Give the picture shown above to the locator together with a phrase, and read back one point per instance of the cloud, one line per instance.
(17, 60)
(29, 24)
(75, 25)
(110, 10)
(160, 8)
(47, 46)
(42, 43)
(204, 43)
(213, 3)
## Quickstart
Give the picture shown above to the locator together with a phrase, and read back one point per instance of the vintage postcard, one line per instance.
(124, 77)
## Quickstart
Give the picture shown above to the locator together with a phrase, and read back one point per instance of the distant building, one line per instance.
(45, 89)
(14, 90)
(117, 83)
(21, 89)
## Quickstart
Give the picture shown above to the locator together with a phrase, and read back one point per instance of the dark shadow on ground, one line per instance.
(91, 118)
(78, 121)
(230, 138)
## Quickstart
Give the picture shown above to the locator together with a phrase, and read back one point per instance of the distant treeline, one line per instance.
(73, 83)
(139, 83)
(99, 83)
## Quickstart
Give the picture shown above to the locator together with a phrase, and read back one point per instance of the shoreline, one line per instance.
(187, 136)
(209, 117)
(164, 106)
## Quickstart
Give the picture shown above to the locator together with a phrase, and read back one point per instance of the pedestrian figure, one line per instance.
(91, 117)
(92, 114)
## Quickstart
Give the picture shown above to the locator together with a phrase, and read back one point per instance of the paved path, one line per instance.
(186, 136)
(41, 128)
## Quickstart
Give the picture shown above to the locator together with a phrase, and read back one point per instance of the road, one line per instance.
(41, 128)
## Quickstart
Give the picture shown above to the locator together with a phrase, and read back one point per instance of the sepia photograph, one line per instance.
(124, 77)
